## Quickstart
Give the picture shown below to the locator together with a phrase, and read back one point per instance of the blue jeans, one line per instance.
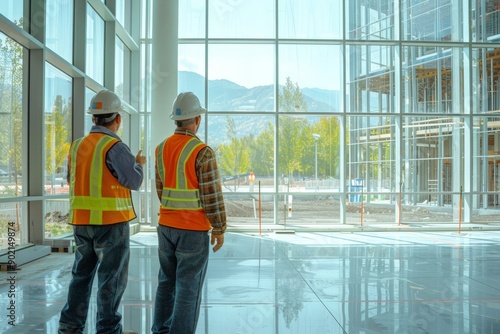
(105, 250)
(183, 257)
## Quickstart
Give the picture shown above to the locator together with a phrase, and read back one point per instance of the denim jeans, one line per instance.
(183, 257)
(105, 250)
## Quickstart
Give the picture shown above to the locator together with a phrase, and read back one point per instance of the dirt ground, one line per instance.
(320, 211)
(329, 211)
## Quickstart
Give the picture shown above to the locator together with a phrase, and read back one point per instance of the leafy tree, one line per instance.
(56, 135)
(291, 149)
(234, 158)
(262, 152)
(11, 79)
(291, 98)
(290, 292)
(291, 129)
(309, 153)
(328, 146)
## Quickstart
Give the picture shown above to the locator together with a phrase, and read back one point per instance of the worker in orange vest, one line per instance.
(251, 180)
(101, 173)
(190, 192)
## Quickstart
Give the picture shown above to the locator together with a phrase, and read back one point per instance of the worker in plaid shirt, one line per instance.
(191, 214)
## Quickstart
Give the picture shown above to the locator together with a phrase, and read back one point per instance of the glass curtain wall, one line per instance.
(347, 112)
(12, 126)
(53, 58)
(57, 139)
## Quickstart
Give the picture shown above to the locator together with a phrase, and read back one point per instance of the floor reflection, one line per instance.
(300, 283)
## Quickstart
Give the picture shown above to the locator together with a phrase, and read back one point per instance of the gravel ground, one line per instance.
(329, 211)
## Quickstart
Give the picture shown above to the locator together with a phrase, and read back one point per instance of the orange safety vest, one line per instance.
(96, 197)
(180, 201)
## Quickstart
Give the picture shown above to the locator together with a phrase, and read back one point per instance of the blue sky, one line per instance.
(253, 64)
(12, 9)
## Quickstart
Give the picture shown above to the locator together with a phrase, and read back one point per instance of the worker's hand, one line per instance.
(218, 240)
(140, 159)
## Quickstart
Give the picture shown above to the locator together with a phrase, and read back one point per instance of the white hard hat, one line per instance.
(186, 106)
(105, 102)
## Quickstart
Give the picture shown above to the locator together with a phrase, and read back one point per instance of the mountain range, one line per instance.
(227, 96)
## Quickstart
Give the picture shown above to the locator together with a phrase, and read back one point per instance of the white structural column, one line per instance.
(457, 109)
(471, 144)
(163, 84)
(401, 104)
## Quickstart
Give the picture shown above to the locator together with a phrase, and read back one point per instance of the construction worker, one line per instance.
(101, 173)
(189, 189)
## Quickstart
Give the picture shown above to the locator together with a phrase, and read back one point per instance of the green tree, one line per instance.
(56, 135)
(291, 98)
(234, 156)
(291, 129)
(11, 81)
(262, 152)
(328, 146)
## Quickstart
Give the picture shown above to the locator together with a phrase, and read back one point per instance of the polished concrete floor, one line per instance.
(318, 283)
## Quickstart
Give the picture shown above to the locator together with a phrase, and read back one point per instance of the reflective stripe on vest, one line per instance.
(73, 153)
(95, 202)
(181, 197)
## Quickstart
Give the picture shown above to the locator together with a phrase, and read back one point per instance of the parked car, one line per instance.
(3, 173)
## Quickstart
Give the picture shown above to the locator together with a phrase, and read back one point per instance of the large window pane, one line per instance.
(320, 19)
(370, 78)
(241, 77)
(13, 224)
(147, 86)
(487, 21)
(314, 70)
(124, 13)
(371, 159)
(57, 129)
(191, 76)
(486, 162)
(122, 71)
(432, 21)
(124, 130)
(95, 46)
(241, 19)
(434, 80)
(308, 170)
(89, 94)
(299, 210)
(193, 20)
(59, 28)
(13, 10)
(308, 151)
(249, 210)
(485, 136)
(431, 151)
(56, 218)
(13, 218)
(373, 20)
(485, 80)
(12, 168)
(243, 144)
(144, 204)
(146, 22)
